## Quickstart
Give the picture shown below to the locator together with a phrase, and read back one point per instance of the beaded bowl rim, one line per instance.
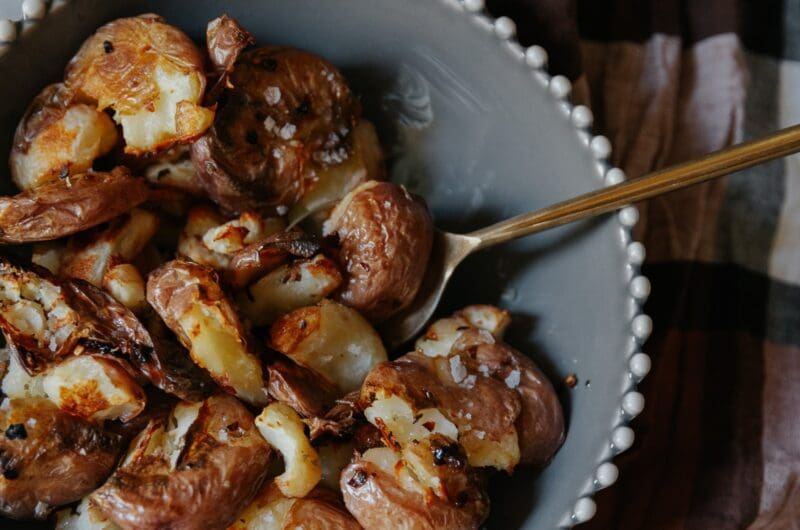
(580, 117)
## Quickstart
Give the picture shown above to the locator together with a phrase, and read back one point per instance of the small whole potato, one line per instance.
(49, 458)
(385, 237)
(287, 111)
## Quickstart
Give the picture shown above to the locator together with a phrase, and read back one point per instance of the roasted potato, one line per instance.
(57, 137)
(321, 509)
(199, 469)
(65, 206)
(48, 255)
(174, 168)
(49, 458)
(84, 516)
(36, 316)
(303, 389)
(287, 112)
(333, 340)
(225, 40)
(381, 492)
(125, 283)
(385, 237)
(334, 182)
(260, 257)
(191, 302)
(292, 286)
(440, 336)
(90, 256)
(280, 425)
(150, 74)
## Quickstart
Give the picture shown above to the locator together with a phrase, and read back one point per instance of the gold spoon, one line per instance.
(449, 250)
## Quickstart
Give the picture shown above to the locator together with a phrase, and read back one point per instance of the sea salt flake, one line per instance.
(483, 369)
(287, 131)
(272, 95)
(469, 382)
(457, 369)
(480, 434)
(512, 381)
(269, 123)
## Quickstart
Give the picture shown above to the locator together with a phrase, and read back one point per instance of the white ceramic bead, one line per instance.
(560, 86)
(601, 147)
(505, 27)
(33, 9)
(642, 326)
(582, 117)
(629, 216)
(640, 287)
(584, 137)
(614, 176)
(473, 5)
(636, 253)
(622, 438)
(633, 403)
(640, 364)
(8, 31)
(607, 474)
(585, 509)
(536, 57)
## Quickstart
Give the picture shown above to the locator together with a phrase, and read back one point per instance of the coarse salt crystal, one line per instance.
(223, 435)
(470, 380)
(512, 381)
(287, 131)
(480, 434)
(457, 369)
(269, 123)
(282, 210)
(483, 369)
(272, 95)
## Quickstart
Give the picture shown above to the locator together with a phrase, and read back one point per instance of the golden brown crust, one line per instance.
(219, 470)
(65, 206)
(288, 110)
(378, 500)
(59, 459)
(46, 108)
(385, 237)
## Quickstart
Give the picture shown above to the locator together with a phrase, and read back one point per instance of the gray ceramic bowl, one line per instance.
(474, 124)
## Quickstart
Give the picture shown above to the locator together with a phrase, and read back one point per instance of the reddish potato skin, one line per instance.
(243, 163)
(320, 510)
(65, 206)
(226, 40)
(377, 501)
(303, 389)
(385, 238)
(60, 460)
(212, 481)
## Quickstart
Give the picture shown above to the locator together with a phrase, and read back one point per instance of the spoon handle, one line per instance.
(717, 164)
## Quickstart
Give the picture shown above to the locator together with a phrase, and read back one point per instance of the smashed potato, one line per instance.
(321, 509)
(62, 207)
(332, 339)
(285, 112)
(381, 492)
(189, 299)
(195, 470)
(292, 286)
(173, 168)
(49, 458)
(225, 40)
(150, 74)
(58, 137)
(385, 237)
(280, 425)
(260, 257)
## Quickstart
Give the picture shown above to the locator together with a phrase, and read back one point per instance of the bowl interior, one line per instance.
(467, 126)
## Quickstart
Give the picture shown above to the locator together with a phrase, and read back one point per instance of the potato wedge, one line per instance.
(58, 136)
(381, 492)
(189, 299)
(332, 339)
(385, 238)
(292, 286)
(151, 74)
(90, 256)
(65, 206)
(49, 458)
(321, 509)
(288, 104)
(280, 425)
(199, 469)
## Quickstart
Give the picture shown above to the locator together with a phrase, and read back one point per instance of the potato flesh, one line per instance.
(160, 124)
(289, 287)
(93, 388)
(72, 142)
(85, 516)
(218, 347)
(125, 283)
(440, 337)
(283, 429)
(17, 383)
(48, 254)
(394, 415)
(343, 348)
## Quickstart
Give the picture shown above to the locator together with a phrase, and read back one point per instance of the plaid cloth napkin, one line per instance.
(718, 445)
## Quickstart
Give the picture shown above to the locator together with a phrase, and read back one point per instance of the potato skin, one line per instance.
(377, 500)
(385, 238)
(213, 479)
(288, 110)
(62, 207)
(60, 459)
(303, 389)
(225, 40)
